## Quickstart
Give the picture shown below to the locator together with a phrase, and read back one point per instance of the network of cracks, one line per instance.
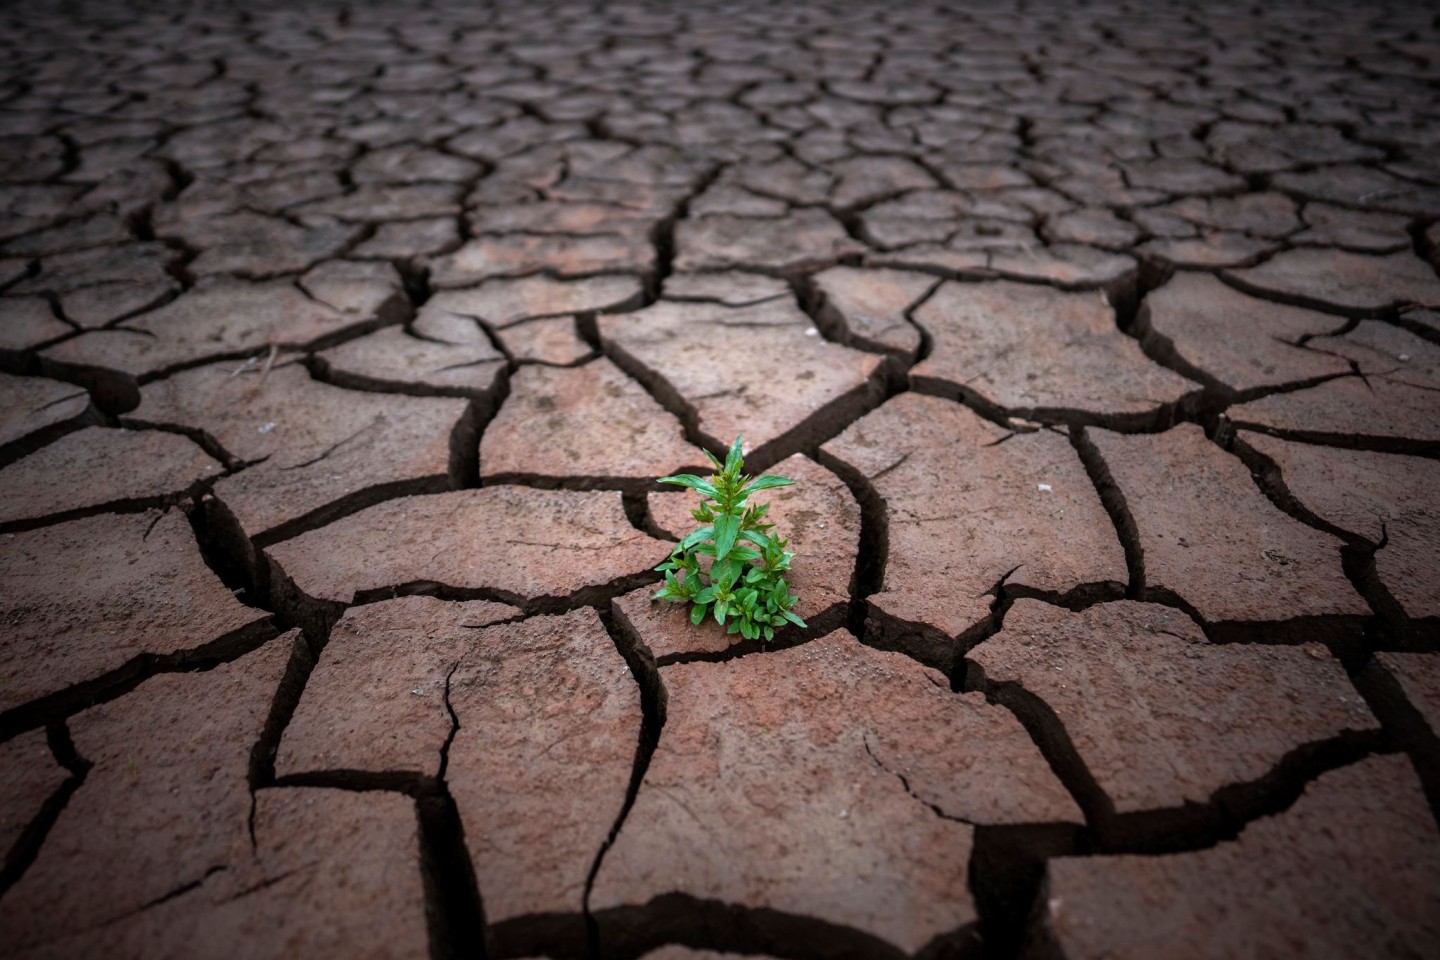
(340, 347)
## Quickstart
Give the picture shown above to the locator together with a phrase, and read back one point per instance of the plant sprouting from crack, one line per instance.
(744, 582)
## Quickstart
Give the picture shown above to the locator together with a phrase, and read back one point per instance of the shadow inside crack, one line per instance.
(629, 932)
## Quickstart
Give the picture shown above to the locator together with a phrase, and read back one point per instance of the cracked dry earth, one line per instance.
(341, 345)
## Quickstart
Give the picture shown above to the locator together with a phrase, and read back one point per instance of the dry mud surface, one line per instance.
(340, 344)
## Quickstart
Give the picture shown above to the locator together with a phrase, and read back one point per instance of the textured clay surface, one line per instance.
(341, 348)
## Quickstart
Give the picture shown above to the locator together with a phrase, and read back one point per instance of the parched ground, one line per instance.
(340, 346)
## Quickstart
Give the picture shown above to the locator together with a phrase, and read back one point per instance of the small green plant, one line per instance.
(744, 582)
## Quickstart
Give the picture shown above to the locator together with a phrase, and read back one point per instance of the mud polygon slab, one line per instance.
(1211, 537)
(27, 322)
(99, 467)
(549, 720)
(86, 597)
(1353, 868)
(441, 354)
(1181, 718)
(811, 772)
(1034, 350)
(30, 405)
(967, 506)
(805, 238)
(589, 422)
(514, 255)
(792, 387)
(1240, 342)
(504, 301)
(333, 873)
(310, 443)
(31, 778)
(376, 700)
(165, 803)
(1382, 497)
(870, 308)
(217, 318)
(515, 544)
(1343, 282)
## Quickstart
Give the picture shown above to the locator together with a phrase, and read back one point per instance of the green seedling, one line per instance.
(743, 586)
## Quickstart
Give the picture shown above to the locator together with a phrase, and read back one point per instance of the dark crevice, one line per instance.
(1007, 869)
(826, 422)
(317, 616)
(454, 911)
(1357, 555)
(54, 707)
(409, 783)
(27, 844)
(632, 489)
(663, 393)
(1113, 500)
(629, 932)
(136, 505)
(1341, 633)
(39, 439)
(323, 370)
(1269, 478)
(653, 704)
(1299, 300)
(874, 546)
(1050, 735)
(1395, 629)
(1422, 330)
(662, 236)
(1371, 443)
(637, 511)
(111, 391)
(1161, 350)
(1191, 826)
(201, 438)
(1157, 419)
(464, 460)
(1198, 826)
(1405, 725)
(282, 707)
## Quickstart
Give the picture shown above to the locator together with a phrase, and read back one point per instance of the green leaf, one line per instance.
(697, 613)
(769, 633)
(714, 460)
(726, 529)
(755, 537)
(766, 482)
(725, 573)
(721, 608)
(736, 457)
(697, 536)
(744, 553)
(691, 481)
(794, 619)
